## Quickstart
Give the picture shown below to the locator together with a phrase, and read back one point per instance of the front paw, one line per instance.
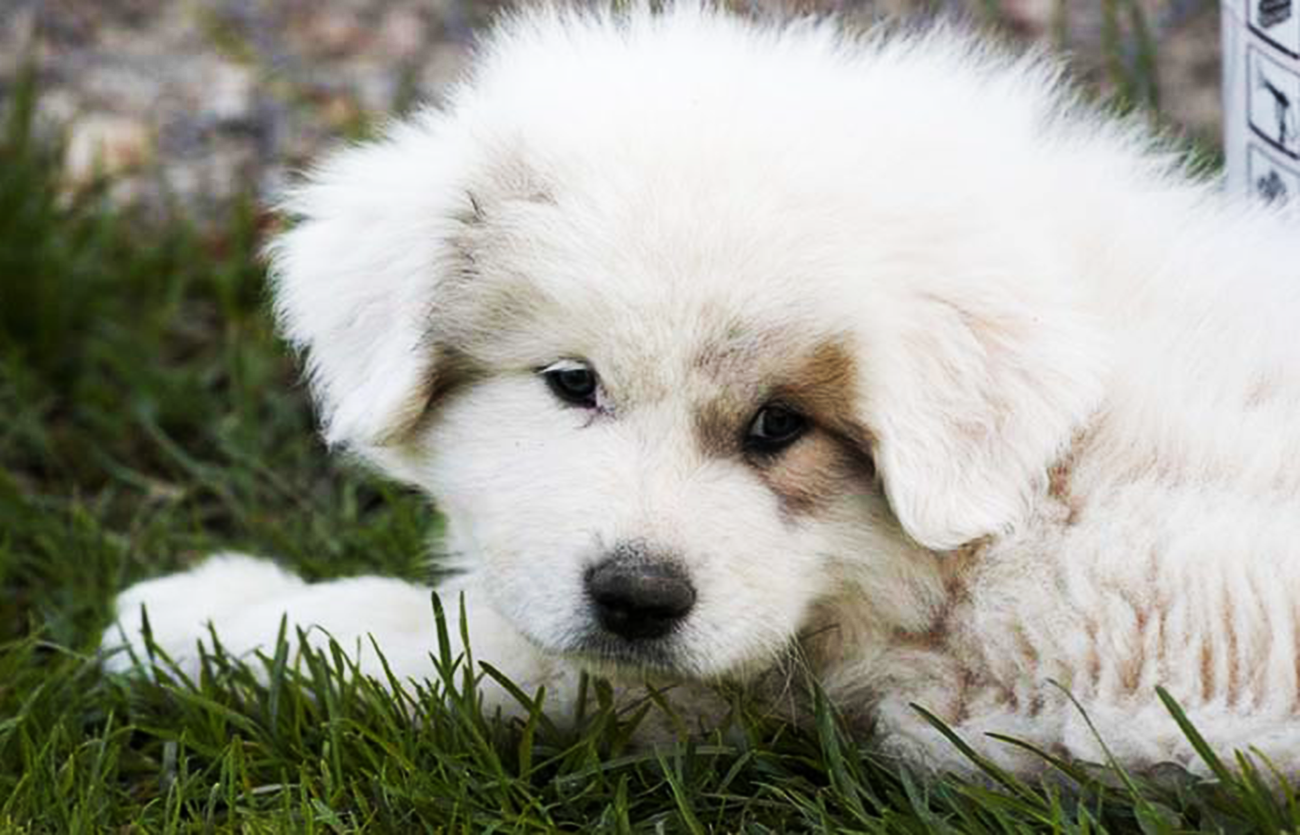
(180, 608)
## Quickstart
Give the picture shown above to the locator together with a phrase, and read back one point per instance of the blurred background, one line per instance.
(190, 103)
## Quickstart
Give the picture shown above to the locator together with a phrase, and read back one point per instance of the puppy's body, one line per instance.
(1049, 386)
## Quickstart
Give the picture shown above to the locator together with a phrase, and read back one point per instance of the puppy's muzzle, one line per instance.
(637, 597)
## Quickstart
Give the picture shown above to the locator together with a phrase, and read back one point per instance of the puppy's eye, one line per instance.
(572, 382)
(774, 428)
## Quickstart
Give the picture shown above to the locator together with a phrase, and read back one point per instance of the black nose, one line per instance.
(639, 598)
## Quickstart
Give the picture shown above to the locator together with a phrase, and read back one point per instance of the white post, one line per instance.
(1261, 98)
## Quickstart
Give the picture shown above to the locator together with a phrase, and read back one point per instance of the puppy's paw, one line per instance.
(245, 600)
(181, 606)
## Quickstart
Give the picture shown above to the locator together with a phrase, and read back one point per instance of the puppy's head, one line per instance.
(677, 359)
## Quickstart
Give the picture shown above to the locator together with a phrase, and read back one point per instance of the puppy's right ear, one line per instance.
(985, 388)
(358, 277)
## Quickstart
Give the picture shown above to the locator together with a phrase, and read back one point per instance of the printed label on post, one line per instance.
(1261, 98)
(1276, 22)
(1272, 180)
(1272, 95)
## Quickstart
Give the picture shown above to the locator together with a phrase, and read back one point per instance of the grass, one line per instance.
(150, 416)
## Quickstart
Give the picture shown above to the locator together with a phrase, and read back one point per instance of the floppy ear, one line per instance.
(981, 394)
(358, 275)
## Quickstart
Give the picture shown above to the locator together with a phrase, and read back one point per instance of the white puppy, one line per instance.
(714, 339)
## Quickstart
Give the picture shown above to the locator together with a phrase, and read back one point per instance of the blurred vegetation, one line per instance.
(136, 360)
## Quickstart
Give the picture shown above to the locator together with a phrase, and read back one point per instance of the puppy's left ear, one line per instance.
(981, 395)
(360, 278)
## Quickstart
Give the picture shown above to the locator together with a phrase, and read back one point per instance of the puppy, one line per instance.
(718, 341)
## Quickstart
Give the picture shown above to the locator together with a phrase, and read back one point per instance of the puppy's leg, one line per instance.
(244, 600)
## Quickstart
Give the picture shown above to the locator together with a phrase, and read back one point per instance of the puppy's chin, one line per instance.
(608, 654)
(671, 657)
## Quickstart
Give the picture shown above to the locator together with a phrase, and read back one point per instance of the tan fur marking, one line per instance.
(956, 566)
(1094, 656)
(1130, 665)
(719, 423)
(1234, 661)
(450, 372)
(1207, 670)
(1059, 478)
(815, 471)
(825, 386)
(832, 459)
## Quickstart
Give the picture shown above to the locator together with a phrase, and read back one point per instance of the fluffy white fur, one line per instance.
(1075, 369)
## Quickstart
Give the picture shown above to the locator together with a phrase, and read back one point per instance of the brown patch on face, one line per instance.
(450, 372)
(831, 459)
(826, 385)
(715, 426)
(835, 456)
(814, 472)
